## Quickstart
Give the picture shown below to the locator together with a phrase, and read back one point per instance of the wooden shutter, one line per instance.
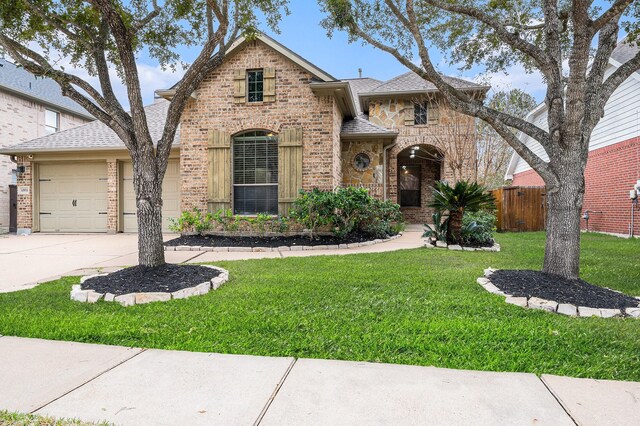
(409, 113)
(219, 179)
(433, 113)
(269, 88)
(239, 86)
(289, 168)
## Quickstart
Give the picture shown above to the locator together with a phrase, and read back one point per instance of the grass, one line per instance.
(417, 306)
(17, 419)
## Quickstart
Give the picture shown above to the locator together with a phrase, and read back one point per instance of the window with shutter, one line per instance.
(219, 179)
(255, 173)
(239, 86)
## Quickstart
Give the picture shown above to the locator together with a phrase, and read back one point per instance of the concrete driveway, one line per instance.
(26, 261)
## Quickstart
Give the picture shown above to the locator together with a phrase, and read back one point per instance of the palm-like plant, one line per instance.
(463, 196)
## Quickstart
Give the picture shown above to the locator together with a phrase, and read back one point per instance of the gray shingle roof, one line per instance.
(20, 81)
(362, 126)
(94, 135)
(624, 51)
(361, 85)
(411, 82)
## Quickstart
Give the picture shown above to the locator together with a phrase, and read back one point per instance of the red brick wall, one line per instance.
(611, 173)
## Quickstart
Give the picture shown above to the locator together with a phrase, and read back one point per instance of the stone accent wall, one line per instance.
(370, 178)
(390, 113)
(21, 120)
(295, 106)
(112, 196)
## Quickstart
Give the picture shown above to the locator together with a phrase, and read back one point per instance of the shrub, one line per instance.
(346, 210)
(191, 221)
(439, 229)
(478, 228)
(463, 197)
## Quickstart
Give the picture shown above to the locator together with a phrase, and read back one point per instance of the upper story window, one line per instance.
(255, 85)
(421, 113)
(51, 121)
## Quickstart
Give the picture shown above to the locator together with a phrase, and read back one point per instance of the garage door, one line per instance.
(170, 197)
(73, 197)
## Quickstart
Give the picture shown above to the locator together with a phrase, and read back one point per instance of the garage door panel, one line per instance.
(170, 197)
(72, 197)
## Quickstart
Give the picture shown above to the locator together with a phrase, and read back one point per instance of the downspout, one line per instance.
(384, 172)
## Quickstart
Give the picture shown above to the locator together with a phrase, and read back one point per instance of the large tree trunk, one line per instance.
(148, 187)
(564, 211)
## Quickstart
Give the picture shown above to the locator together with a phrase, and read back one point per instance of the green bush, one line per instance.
(478, 228)
(191, 221)
(346, 211)
(439, 229)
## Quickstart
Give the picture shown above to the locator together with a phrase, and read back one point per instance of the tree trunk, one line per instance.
(148, 187)
(564, 208)
(455, 225)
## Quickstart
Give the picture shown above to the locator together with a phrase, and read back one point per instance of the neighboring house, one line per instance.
(263, 125)
(613, 166)
(30, 107)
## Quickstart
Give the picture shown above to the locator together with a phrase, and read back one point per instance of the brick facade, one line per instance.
(21, 120)
(295, 106)
(611, 173)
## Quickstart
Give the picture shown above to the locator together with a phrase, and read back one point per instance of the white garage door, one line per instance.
(73, 197)
(170, 196)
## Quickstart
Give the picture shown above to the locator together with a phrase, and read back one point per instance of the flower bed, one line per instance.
(558, 295)
(139, 285)
(432, 243)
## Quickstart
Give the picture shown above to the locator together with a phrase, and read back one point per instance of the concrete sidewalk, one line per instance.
(26, 261)
(154, 387)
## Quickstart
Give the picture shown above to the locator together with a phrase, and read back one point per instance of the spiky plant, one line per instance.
(463, 196)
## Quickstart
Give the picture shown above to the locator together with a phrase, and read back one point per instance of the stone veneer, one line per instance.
(295, 106)
(370, 178)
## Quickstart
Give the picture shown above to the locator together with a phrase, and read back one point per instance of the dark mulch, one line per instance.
(141, 279)
(553, 287)
(299, 240)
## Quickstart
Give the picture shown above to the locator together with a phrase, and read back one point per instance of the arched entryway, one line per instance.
(418, 168)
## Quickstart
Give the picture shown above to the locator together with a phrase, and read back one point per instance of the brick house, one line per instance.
(613, 165)
(263, 125)
(29, 108)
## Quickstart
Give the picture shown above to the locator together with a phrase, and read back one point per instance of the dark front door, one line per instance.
(409, 183)
(13, 208)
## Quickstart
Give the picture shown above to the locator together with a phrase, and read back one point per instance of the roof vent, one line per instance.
(359, 72)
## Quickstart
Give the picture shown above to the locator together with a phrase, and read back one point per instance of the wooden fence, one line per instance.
(521, 208)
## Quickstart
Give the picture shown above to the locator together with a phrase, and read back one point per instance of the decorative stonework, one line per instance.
(442, 245)
(130, 299)
(553, 306)
(373, 174)
(281, 248)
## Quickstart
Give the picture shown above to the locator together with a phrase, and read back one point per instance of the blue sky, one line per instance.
(301, 32)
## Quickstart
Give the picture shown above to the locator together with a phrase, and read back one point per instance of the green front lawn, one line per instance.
(412, 307)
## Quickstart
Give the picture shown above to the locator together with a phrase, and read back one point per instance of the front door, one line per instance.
(409, 182)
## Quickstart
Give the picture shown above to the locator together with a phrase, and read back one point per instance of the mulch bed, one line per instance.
(141, 279)
(552, 287)
(298, 240)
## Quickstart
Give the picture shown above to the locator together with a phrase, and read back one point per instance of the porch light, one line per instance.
(412, 155)
(415, 148)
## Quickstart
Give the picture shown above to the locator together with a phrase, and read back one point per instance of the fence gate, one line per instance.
(521, 208)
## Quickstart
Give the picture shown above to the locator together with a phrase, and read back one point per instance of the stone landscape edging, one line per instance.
(442, 245)
(553, 306)
(90, 296)
(281, 248)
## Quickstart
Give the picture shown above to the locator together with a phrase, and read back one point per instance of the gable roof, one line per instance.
(318, 73)
(22, 83)
(93, 136)
(361, 85)
(361, 127)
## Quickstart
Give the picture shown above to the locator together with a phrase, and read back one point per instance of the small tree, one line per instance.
(541, 35)
(493, 151)
(101, 35)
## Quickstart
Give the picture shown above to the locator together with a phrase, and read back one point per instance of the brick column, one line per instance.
(25, 200)
(112, 196)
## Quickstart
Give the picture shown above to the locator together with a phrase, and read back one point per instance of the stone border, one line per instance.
(130, 299)
(442, 245)
(281, 248)
(555, 307)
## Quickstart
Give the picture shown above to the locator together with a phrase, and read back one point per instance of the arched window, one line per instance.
(255, 173)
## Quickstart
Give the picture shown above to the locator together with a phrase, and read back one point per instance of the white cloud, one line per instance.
(516, 78)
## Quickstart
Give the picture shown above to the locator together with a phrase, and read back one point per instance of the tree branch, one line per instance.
(614, 13)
